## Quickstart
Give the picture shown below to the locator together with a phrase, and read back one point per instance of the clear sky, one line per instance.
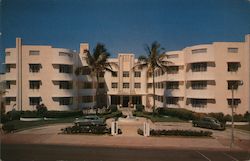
(123, 25)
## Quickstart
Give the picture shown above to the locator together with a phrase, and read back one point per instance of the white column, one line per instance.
(146, 129)
(114, 128)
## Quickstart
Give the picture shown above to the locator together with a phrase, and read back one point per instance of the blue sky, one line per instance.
(123, 25)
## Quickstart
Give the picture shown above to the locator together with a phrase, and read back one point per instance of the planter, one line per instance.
(31, 119)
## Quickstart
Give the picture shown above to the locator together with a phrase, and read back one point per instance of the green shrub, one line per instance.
(219, 116)
(30, 114)
(247, 116)
(11, 115)
(112, 115)
(8, 128)
(181, 113)
(88, 130)
(113, 108)
(63, 114)
(180, 133)
(140, 131)
(139, 107)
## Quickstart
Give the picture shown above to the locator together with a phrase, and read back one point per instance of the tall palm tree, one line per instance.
(155, 59)
(97, 63)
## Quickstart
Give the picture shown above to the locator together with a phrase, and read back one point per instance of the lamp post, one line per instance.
(232, 107)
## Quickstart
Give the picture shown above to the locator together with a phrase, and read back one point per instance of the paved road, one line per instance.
(25, 152)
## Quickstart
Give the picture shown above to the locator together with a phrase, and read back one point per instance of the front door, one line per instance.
(125, 101)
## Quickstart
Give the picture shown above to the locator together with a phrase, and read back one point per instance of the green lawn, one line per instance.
(21, 125)
(243, 127)
(158, 118)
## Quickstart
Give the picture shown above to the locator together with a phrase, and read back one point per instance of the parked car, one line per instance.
(209, 122)
(92, 120)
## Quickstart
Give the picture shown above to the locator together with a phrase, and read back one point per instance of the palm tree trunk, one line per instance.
(153, 91)
(97, 92)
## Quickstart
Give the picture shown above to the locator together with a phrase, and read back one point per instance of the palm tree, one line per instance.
(155, 59)
(97, 63)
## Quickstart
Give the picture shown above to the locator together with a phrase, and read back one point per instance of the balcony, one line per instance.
(63, 59)
(206, 75)
(64, 93)
(175, 92)
(63, 76)
(206, 56)
(201, 93)
(11, 76)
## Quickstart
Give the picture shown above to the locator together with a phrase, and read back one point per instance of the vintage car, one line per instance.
(92, 120)
(210, 123)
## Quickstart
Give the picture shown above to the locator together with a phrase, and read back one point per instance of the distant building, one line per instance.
(199, 79)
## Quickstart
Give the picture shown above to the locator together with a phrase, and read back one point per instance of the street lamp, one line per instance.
(237, 83)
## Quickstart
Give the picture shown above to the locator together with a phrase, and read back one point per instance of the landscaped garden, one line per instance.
(11, 120)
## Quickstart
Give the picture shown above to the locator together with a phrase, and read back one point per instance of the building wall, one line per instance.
(216, 93)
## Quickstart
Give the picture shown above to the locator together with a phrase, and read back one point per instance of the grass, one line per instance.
(243, 127)
(22, 125)
(18, 125)
(157, 117)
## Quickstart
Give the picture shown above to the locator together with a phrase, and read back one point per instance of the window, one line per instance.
(199, 84)
(172, 100)
(8, 100)
(232, 50)
(85, 71)
(87, 85)
(199, 102)
(101, 85)
(65, 101)
(88, 99)
(125, 74)
(172, 69)
(159, 98)
(199, 67)
(236, 102)
(65, 54)
(114, 74)
(149, 74)
(150, 85)
(8, 67)
(35, 101)
(114, 85)
(137, 74)
(7, 53)
(65, 68)
(233, 66)
(232, 84)
(172, 85)
(197, 51)
(65, 85)
(35, 84)
(34, 52)
(9, 83)
(137, 85)
(125, 85)
(34, 68)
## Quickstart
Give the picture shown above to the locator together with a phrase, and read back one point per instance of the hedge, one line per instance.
(180, 133)
(113, 108)
(139, 107)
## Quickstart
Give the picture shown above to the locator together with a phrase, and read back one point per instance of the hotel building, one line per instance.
(200, 78)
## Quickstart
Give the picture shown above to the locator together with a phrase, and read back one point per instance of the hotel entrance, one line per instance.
(125, 100)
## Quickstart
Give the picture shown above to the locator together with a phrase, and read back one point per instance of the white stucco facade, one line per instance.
(200, 78)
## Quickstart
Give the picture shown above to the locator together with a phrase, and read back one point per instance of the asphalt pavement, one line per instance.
(25, 152)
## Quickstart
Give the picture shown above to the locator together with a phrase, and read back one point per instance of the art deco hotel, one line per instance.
(200, 78)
